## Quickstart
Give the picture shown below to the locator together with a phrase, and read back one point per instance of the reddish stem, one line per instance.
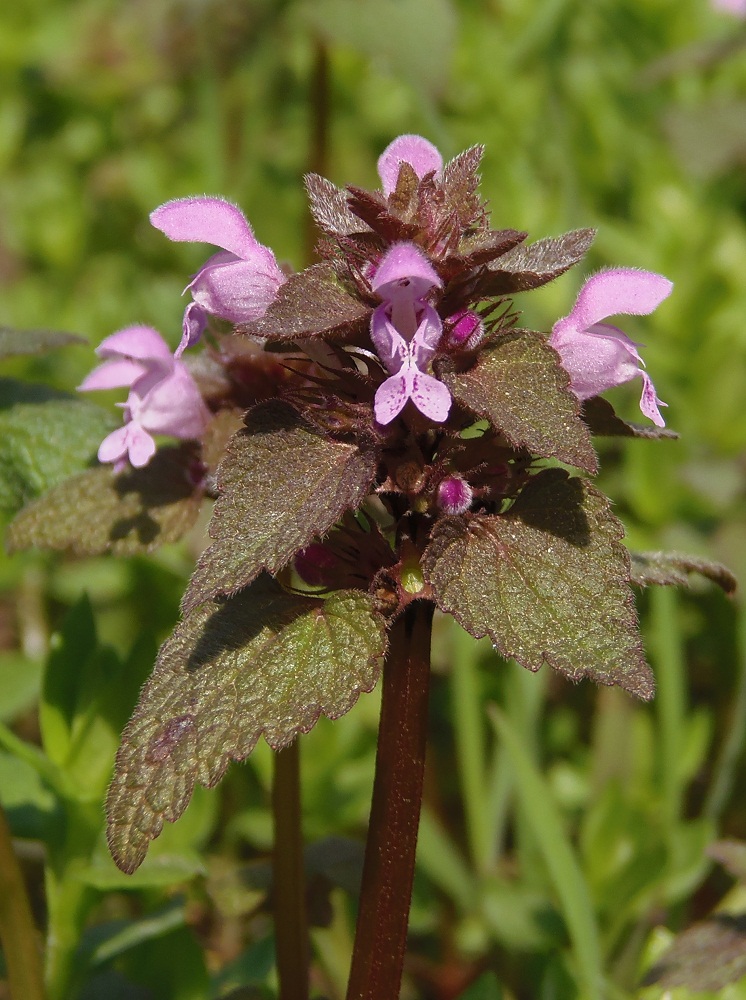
(381, 936)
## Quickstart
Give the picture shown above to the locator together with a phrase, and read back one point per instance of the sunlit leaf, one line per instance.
(547, 582)
(264, 662)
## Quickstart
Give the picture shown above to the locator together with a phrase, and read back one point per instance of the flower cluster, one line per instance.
(414, 272)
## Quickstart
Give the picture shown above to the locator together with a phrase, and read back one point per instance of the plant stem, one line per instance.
(291, 926)
(18, 934)
(388, 872)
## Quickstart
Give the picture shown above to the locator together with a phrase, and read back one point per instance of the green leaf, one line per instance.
(519, 385)
(486, 987)
(14, 342)
(87, 696)
(99, 511)
(281, 483)
(32, 807)
(264, 662)
(412, 39)
(673, 568)
(310, 302)
(20, 680)
(548, 582)
(42, 443)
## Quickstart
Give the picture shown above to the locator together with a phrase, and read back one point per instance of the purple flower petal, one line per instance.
(420, 154)
(238, 290)
(143, 343)
(130, 441)
(390, 346)
(171, 405)
(427, 337)
(404, 273)
(618, 291)
(206, 220)
(391, 396)
(430, 396)
(193, 326)
(113, 374)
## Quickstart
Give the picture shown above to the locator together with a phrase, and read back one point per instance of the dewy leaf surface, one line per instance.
(547, 582)
(264, 662)
(281, 483)
(99, 511)
(519, 385)
(312, 301)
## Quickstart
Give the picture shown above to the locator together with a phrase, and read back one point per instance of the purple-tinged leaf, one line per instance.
(99, 511)
(518, 384)
(534, 265)
(460, 187)
(281, 483)
(373, 208)
(310, 302)
(13, 342)
(329, 207)
(731, 854)
(486, 245)
(603, 421)
(673, 569)
(403, 200)
(706, 957)
(262, 663)
(548, 582)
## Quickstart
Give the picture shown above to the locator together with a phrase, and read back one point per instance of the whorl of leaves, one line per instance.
(548, 582)
(264, 662)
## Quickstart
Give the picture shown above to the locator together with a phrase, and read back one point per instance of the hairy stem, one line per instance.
(18, 934)
(388, 872)
(291, 927)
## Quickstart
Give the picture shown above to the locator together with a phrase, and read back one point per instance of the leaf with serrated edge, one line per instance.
(461, 183)
(14, 342)
(329, 208)
(281, 483)
(310, 302)
(534, 265)
(673, 569)
(603, 421)
(99, 511)
(548, 582)
(706, 957)
(264, 662)
(519, 385)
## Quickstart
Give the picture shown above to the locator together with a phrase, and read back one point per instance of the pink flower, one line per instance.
(239, 282)
(163, 397)
(420, 154)
(405, 331)
(598, 355)
(735, 7)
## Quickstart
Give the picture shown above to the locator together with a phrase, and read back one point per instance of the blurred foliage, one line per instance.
(564, 834)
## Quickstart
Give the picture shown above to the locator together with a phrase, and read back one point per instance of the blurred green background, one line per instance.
(626, 115)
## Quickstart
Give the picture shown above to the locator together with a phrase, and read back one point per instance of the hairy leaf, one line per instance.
(673, 568)
(99, 511)
(707, 956)
(44, 438)
(599, 414)
(530, 266)
(487, 244)
(14, 341)
(329, 207)
(519, 385)
(548, 582)
(461, 186)
(373, 209)
(312, 301)
(281, 483)
(263, 662)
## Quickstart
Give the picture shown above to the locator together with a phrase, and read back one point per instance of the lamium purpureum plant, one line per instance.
(382, 439)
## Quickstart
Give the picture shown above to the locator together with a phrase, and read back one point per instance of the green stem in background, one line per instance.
(469, 736)
(388, 872)
(18, 933)
(318, 152)
(670, 699)
(291, 925)
(726, 767)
